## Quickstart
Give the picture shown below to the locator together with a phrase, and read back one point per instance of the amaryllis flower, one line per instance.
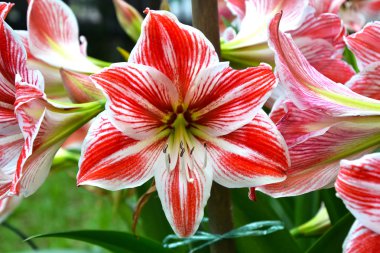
(175, 113)
(32, 128)
(319, 36)
(358, 185)
(52, 42)
(322, 121)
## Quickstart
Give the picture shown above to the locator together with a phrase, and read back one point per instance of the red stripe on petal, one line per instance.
(54, 36)
(358, 185)
(253, 155)
(364, 44)
(4, 9)
(223, 99)
(307, 87)
(182, 52)
(367, 82)
(140, 97)
(361, 240)
(317, 144)
(114, 161)
(183, 201)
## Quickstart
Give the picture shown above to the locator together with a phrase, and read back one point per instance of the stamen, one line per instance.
(182, 152)
(205, 158)
(167, 162)
(166, 148)
(192, 150)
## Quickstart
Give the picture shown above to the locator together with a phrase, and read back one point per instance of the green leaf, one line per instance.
(333, 240)
(334, 205)
(246, 211)
(112, 240)
(350, 58)
(57, 251)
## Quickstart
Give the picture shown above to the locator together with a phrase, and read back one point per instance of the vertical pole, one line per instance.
(205, 18)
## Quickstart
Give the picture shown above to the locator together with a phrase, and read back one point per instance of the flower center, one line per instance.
(182, 144)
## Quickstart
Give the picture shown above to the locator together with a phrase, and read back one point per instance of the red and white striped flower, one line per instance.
(358, 185)
(175, 113)
(52, 42)
(318, 35)
(32, 128)
(322, 121)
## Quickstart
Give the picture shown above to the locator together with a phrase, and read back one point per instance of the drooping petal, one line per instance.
(113, 161)
(80, 87)
(222, 99)
(7, 206)
(361, 240)
(364, 44)
(139, 97)
(45, 126)
(253, 155)
(367, 81)
(182, 52)
(317, 143)
(129, 18)
(320, 39)
(5, 8)
(54, 36)
(307, 87)
(358, 185)
(183, 200)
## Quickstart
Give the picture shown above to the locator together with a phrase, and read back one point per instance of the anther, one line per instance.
(167, 162)
(205, 158)
(192, 150)
(182, 152)
(166, 148)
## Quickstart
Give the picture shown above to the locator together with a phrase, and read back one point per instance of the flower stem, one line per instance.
(205, 18)
(20, 234)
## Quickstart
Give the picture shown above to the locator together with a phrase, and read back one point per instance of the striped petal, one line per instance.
(138, 98)
(54, 36)
(317, 144)
(361, 240)
(12, 62)
(183, 200)
(307, 87)
(358, 185)
(251, 156)
(367, 81)
(320, 39)
(112, 160)
(182, 52)
(5, 8)
(45, 127)
(50, 73)
(223, 99)
(364, 44)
